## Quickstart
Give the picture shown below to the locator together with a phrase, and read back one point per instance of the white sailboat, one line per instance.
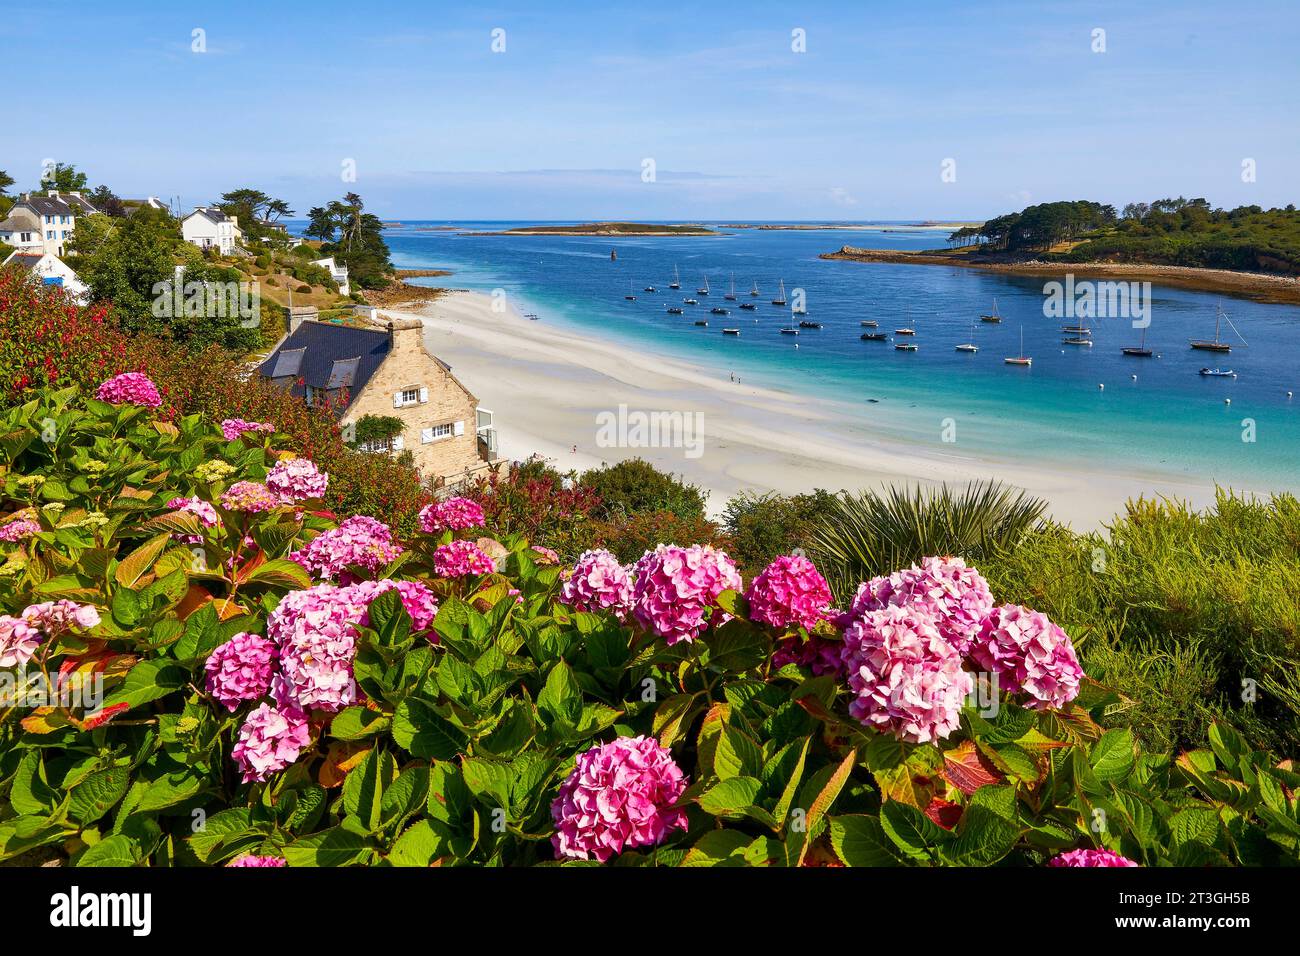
(969, 346)
(780, 296)
(677, 279)
(1022, 358)
(732, 294)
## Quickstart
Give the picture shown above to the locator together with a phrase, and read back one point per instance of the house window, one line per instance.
(410, 396)
(377, 446)
(49, 234)
(446, 430)
(26, 237)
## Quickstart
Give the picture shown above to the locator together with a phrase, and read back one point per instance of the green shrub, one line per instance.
(1187, 614)
(764, 526)
(870, 533)
(635, 486)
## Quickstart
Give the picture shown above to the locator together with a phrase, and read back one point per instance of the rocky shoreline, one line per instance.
(1259, 286)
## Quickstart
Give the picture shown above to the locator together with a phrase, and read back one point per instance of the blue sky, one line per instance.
(737, 123)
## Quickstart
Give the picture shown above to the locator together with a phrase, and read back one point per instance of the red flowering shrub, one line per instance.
(46, 340)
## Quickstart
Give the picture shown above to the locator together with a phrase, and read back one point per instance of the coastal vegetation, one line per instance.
(353, 237)
(1175, 232)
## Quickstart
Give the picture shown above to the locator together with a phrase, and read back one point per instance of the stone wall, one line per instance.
(410, 366)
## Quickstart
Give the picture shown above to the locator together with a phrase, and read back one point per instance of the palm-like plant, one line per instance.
(871, 533)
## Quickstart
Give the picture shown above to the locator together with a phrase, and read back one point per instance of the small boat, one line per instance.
(531, 316)
(630, 297)
(1218, 373)
(677, 280)
(748, 305)
(754, 291)
(691, 301)
(904, 331)
(790, 331)
(1022, 358)
(675, 310)
(780, 296)
(905, 346)
(1077, 340)
(875, 337)
(703, 322)
(649, 288)
(731, 331)
(1138, 351)
(969, 346)
(1077, 329)
(993, 316)
(870, 324)
(731, 296)
(703, 290)
(1217, 345)
(719, 310)
(807, 324)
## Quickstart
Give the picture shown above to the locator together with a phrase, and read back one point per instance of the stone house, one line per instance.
(381, 368)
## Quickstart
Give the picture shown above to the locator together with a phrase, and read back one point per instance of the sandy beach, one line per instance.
(551, 390)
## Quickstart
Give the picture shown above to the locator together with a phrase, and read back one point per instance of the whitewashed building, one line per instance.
(44, 222)
(50, 270)
(210, 228)
(338, 272)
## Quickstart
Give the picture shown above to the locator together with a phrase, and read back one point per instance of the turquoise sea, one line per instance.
(1169, 421)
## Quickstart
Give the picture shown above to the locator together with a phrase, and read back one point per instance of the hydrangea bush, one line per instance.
(201, 666)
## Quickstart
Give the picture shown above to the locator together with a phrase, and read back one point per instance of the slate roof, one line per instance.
(25, 260)
(213, 215)
(65, 205)
(328, 356)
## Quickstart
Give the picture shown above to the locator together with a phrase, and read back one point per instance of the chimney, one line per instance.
(406, 335)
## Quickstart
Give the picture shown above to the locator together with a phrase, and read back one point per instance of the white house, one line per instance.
(51, 270)
(339, 273)
(210, 228)
(44, 223)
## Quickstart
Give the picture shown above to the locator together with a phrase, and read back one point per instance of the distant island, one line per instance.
(1246, 251)
(606, 229)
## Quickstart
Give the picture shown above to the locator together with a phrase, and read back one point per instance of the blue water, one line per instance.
(1169, 422)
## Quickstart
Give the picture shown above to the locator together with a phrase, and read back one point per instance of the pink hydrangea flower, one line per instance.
(18, 530)
(249, 859)
(315, 631)
(452, 514)
(956, 596)
(232, 428)
(420, 602)
(1085, 857)
(676, 589)
(270, 740)
(129, 388)
(458, 559)
(57, 617)
(545, 555)
(598, 583)
(620, 795)
(790, 591)
(18, 641)
(359, 541)
(1029, 654)
(906, 679)
(817, 654)
(296, 479)
(201, 509)
(240, 670)
(252, 496)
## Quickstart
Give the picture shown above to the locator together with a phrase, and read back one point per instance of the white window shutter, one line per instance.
(397, 443)
(424, 395)
(397, 399)
(426, 436)
(459, 428)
